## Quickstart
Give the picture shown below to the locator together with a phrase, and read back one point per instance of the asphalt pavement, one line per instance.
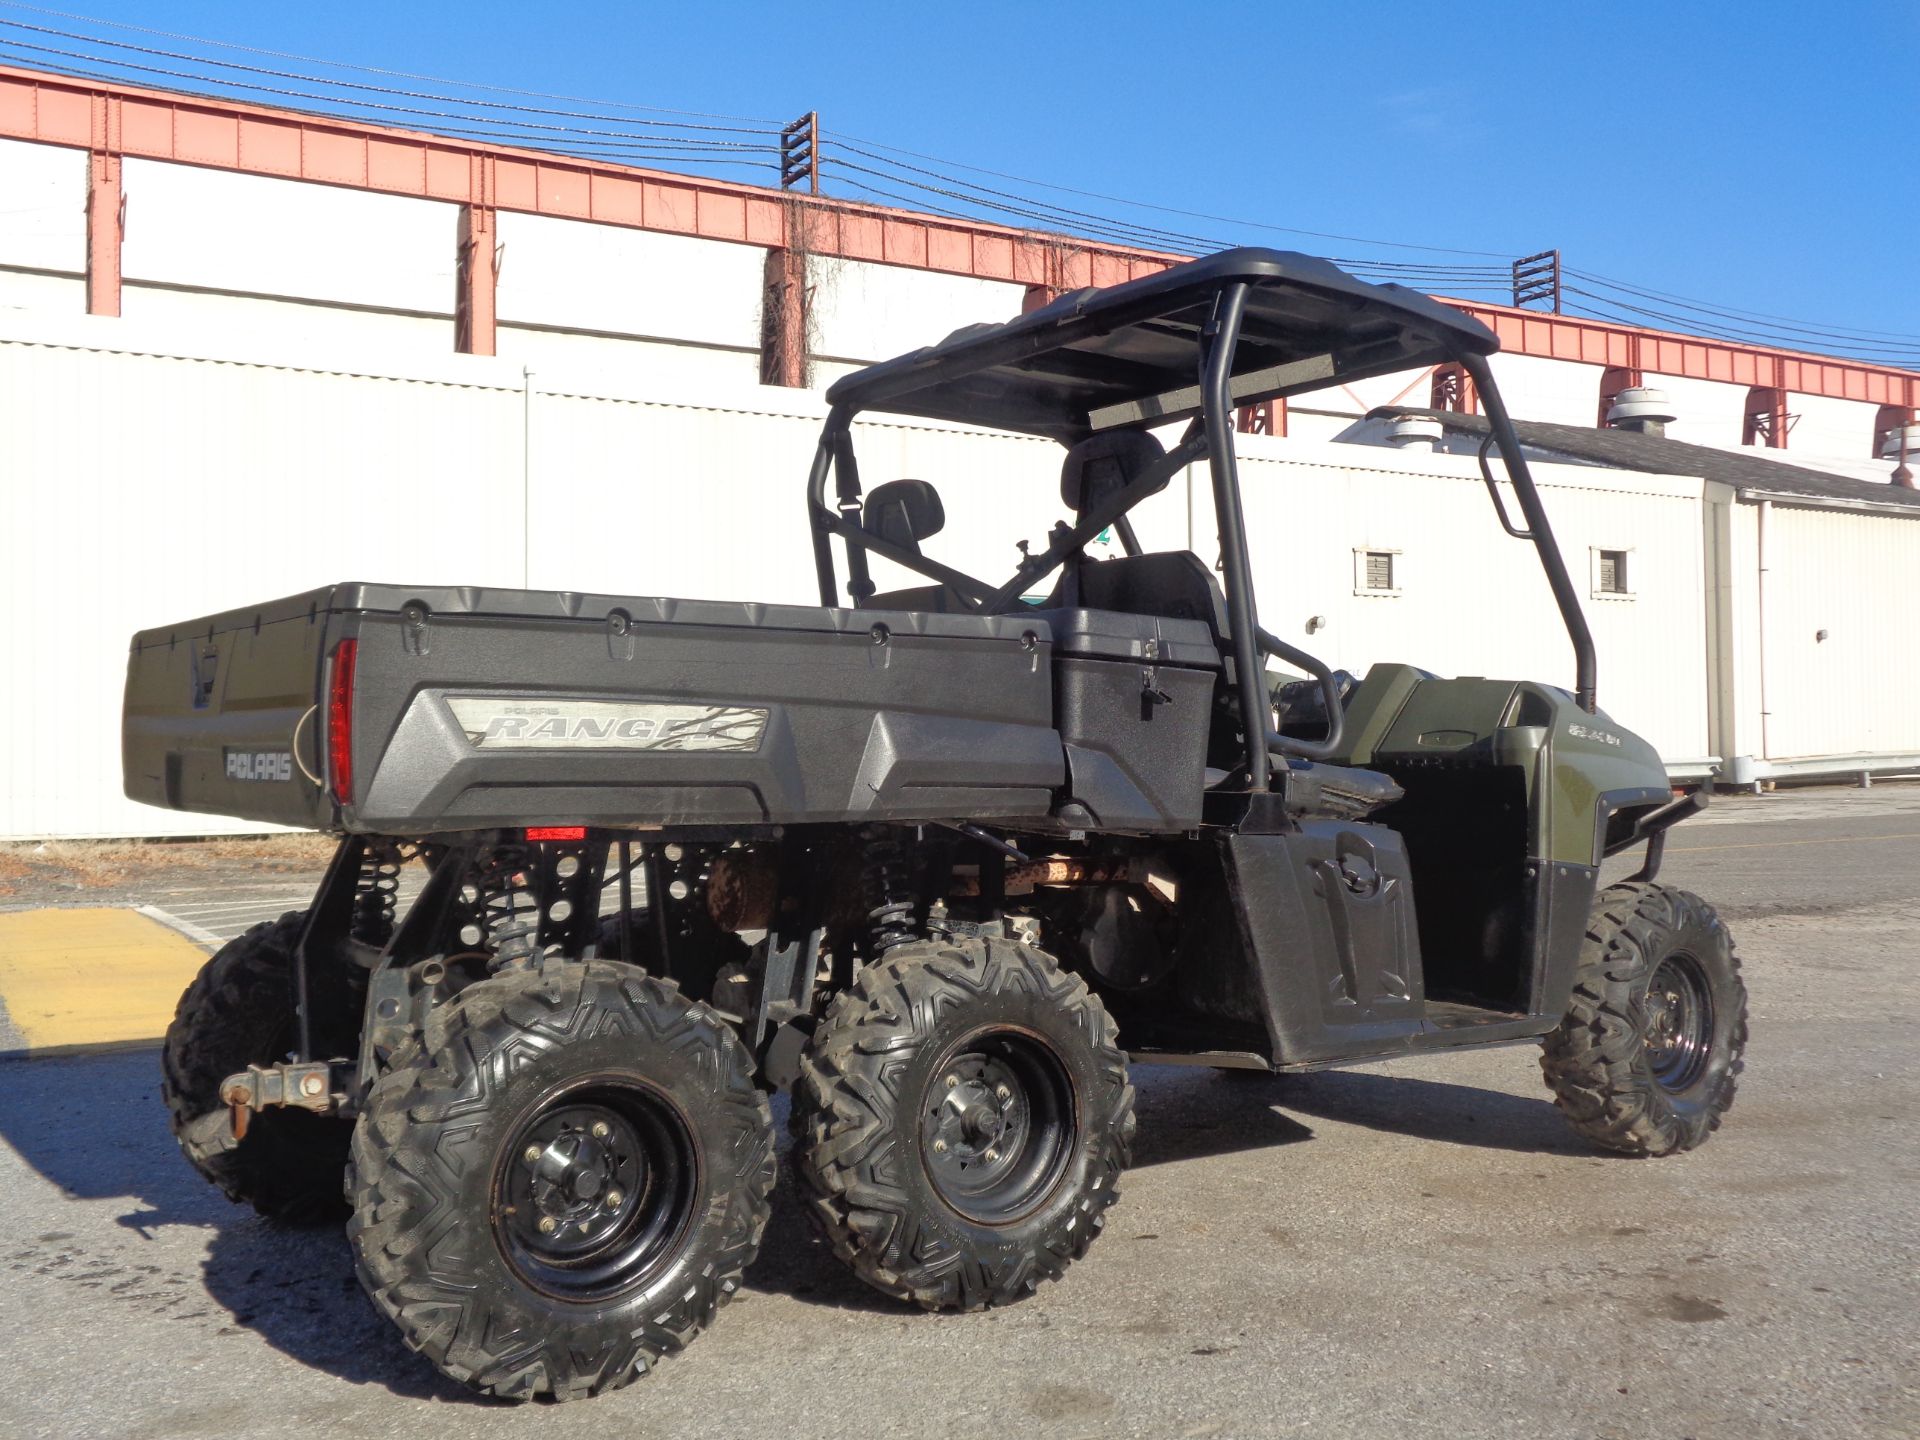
(1410, 1249)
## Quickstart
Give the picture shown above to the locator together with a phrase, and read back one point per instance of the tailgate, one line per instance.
(220, 718)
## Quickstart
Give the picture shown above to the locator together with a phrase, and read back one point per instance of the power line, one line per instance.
(550, 135)
(1163, 209)
(1732, 313)
(1610, 309)
(700, 144)
(1029, 207)
(375, 69)
(360, 85)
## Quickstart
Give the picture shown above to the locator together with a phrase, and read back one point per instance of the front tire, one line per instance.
(239, 1012)
(963, 1113)
(1646, 1059)
(561, 1181)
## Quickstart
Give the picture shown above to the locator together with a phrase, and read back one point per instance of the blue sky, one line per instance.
(1753, 156)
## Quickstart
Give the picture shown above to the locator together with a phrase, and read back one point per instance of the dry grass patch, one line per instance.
(104, 864)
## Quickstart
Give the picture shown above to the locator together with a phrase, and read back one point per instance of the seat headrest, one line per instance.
(1102, 465)
(903, 513)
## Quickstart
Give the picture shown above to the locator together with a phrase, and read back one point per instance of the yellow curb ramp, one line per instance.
(79, 980)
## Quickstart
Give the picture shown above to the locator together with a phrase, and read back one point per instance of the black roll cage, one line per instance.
(1209, 434)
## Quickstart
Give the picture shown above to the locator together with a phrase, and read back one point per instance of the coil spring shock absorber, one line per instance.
(885, 880)
(377, 891)
(509, 913)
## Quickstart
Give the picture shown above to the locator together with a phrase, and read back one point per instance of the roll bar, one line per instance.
(1538, 529)
(1210, 434)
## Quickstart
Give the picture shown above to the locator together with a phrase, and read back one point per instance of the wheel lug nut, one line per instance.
(548, 1224)
(533, 1154)
(939, 1147)
(614, 1197)
(600, 1130)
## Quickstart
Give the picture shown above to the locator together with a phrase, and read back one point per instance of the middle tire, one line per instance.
(964, 1113)
(562, 1180)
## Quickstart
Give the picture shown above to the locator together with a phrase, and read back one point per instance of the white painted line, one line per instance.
(216, 906)
(186, 927)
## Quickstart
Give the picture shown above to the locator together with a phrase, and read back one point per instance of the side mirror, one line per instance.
(903, 513)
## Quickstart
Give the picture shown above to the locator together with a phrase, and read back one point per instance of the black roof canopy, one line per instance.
(1130, 354)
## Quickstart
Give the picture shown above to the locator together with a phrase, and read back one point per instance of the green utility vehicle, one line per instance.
(945, 862)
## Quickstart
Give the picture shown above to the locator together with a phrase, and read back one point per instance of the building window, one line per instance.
(1376, 572)
(1612, 574)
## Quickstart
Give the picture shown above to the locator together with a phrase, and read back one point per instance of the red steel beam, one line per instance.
(1600, 342)
(106, 206)
(253, 139)
(231, 135)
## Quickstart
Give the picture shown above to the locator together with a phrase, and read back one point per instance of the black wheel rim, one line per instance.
(998, 1125)
(1679, 1022)
(594, 1190)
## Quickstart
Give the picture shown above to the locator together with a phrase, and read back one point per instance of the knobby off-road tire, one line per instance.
(589, 1095)
(963, 1115)
(239, 1012)
(1646, 1059)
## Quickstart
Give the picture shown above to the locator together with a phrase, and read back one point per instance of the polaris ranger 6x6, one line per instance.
(945, 861)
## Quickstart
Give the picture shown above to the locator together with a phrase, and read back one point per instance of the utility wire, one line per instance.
(1164, 209)
(695, 151)
(758, 148)
(1732, 313)
(1611, 309)
(374, 69)
(373, 89)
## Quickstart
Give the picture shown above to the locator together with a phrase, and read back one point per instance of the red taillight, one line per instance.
(340, 721)
(556, 832)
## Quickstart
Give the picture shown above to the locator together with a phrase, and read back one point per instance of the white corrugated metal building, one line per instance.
(279, 406)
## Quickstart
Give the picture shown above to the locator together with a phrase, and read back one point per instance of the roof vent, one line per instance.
(1641, 408)
(1415, 432)
(1901, 439)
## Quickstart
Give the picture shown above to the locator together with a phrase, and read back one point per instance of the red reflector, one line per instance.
(556, 832)
(340, 721)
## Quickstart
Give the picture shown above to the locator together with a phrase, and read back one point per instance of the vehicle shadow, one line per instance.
(94, 1126)
(1428, 1110)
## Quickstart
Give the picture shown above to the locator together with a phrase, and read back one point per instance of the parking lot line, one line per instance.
(91, 979)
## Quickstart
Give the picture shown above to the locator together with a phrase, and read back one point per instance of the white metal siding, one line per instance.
(568, 361)
(1562, 392)
(150, 487)
(867, 312)
(577, 275)
(216, 230)
(1849, 576)
(1706, 412)
(1823, 425)
(43, 220)
(42, 294)
(145, 489)
(314, 329)
(1470, 600)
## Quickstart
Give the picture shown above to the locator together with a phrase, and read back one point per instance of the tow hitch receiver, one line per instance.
(309, 1085)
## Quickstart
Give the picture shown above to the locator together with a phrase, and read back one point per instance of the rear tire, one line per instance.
(1646, 1059)
(239, 1012)
(963, 1114)
(561, 1181)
